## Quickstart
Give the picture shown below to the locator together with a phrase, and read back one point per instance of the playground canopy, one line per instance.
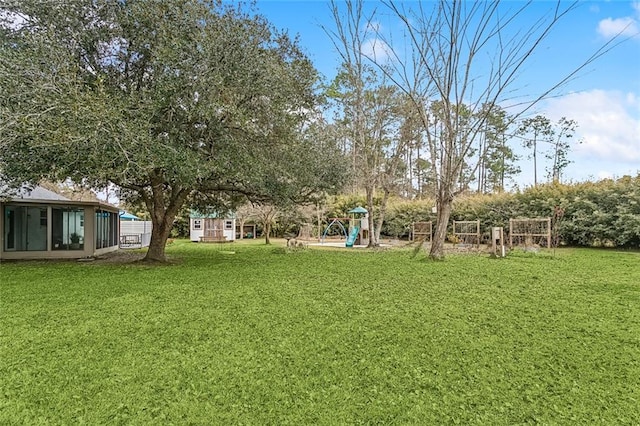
(358, 210)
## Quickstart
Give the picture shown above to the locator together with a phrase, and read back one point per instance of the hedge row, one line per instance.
(604, 213)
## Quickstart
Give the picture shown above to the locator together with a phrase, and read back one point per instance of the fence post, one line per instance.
(510, 234)
(455, 238)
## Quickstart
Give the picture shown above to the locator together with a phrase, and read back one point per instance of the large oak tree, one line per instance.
(174, 101)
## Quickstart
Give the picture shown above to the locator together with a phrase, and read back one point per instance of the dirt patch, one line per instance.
(132, 257)
(120, 256)
(455, 249)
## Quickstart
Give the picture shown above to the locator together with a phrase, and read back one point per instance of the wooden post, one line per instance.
(510, 234)
(548, 232)
(497, 241)
(319, 222)
(455, 238)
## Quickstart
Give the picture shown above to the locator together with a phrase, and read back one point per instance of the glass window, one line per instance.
(25, 228)
(67, 228)
(106, 229)
(114, 239)
(228, 224)
(197, 223)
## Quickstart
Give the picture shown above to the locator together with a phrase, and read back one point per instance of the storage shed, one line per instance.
(212, 227)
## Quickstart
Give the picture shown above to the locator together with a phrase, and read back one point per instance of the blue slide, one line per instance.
(352, 236)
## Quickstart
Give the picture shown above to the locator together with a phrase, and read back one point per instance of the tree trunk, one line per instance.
(556, 172)
(381, 214)
(502, 165)
(373, 242)
(163, 205)
(444, 205)
(535, 165)
(241, 222)
(267, 233)
(319, 223)
(159, 236)
(419, 173)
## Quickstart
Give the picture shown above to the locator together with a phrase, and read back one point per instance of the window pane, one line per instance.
(25, 228)
(106, 229)
(99, 229)
(113, 238)
(67, 228)
(9, 230)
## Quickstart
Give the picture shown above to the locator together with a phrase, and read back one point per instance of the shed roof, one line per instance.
(194, 214)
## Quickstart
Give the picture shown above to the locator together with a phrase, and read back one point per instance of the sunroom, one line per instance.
(40, 224)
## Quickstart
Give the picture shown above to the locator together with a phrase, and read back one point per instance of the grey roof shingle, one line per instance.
(38, 193)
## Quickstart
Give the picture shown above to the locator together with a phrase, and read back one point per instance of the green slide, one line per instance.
(352, 236)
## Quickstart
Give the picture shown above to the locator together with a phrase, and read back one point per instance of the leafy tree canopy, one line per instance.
(174, 101)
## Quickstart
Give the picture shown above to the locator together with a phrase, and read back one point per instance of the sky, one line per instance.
(604, 98)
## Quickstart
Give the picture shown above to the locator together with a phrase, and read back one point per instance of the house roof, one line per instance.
(38, 193)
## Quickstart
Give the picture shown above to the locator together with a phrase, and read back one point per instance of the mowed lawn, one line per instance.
(251, 334)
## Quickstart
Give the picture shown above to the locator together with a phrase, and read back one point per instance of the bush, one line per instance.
(402, 214)
(604, 213)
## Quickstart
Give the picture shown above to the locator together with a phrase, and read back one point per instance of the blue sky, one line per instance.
(604, 99)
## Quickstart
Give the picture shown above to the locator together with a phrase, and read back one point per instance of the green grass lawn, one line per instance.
(262, 336)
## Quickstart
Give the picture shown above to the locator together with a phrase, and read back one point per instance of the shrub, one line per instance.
(604, 213)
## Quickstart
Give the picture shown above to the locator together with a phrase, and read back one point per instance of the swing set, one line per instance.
(358, 231)
(336, 221)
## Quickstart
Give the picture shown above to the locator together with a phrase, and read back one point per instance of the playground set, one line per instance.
(532, 233)
(356, 232)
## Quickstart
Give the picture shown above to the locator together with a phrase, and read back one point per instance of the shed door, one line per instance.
(213, 229)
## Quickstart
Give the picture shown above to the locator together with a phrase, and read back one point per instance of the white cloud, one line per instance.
(604, 174)
(376, 49)
(609, 124)
(626, 26)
